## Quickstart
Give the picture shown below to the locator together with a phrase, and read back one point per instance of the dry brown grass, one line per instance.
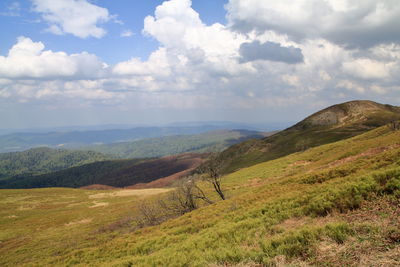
(374, 247)
(83, 221)
(130, 192)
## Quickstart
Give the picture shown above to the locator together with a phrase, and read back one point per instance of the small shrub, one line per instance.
(302, 243)
(338, 232)
(393, 234)
(327, 175)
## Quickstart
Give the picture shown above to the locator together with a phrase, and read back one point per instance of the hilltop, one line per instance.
(331, 124)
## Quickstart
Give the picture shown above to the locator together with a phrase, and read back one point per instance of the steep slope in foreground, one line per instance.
(333, 205)
(329, 125)
(115, 173)
(44, 160)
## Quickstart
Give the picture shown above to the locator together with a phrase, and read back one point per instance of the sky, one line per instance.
(88, 62)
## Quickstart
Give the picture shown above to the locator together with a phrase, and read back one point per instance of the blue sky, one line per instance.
(21, 21)
(79, 62)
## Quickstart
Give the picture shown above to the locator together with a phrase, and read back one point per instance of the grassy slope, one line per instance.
(44, 160)
(353, 117)
(118, 173)
(302, 208)
(170, 145)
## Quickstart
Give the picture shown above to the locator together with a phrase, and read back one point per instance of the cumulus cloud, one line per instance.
(77, 17)
(270, 51)
(347, 22)
(28, 59)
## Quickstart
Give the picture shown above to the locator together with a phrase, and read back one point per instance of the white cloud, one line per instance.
(346, 22)
(28, 59)
(77, 17)
(127, 33)
(365, 68)
(157, 65)
(349, 85)
(324, 75)
(291, 80)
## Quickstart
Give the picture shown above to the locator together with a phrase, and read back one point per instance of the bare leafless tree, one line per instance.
(394, 125)
(213, 171)
(185, 197)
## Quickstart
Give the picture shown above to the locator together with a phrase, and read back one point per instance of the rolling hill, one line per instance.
(328, 125)
(331, 205)
(44, 160)
(213, 141)
(114, 173)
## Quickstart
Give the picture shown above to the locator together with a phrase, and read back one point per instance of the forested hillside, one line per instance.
(213, 141)
(44, 160)
(116, 173)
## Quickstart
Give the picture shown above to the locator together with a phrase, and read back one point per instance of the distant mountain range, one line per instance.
(65, 138)
(213, 141)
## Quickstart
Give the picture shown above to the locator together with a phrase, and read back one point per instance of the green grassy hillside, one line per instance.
(332, 205)
(44, 160)
(214, 141)
(329, 125)
(116, 173)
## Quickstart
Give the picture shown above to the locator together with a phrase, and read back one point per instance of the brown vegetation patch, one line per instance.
(375, 243)
(369, 152)
(300, 163)
(298, 222)
(98, 187)
(99, 204)
(254, 182)
(130, 192)
(31, 207)
(83, 221)
(162, 182)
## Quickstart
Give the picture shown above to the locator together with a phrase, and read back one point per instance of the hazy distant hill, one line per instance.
(213, 141)
(43, 160)
(328, 125)
(78, 138)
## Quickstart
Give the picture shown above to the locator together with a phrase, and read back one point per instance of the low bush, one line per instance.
(348, 196)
